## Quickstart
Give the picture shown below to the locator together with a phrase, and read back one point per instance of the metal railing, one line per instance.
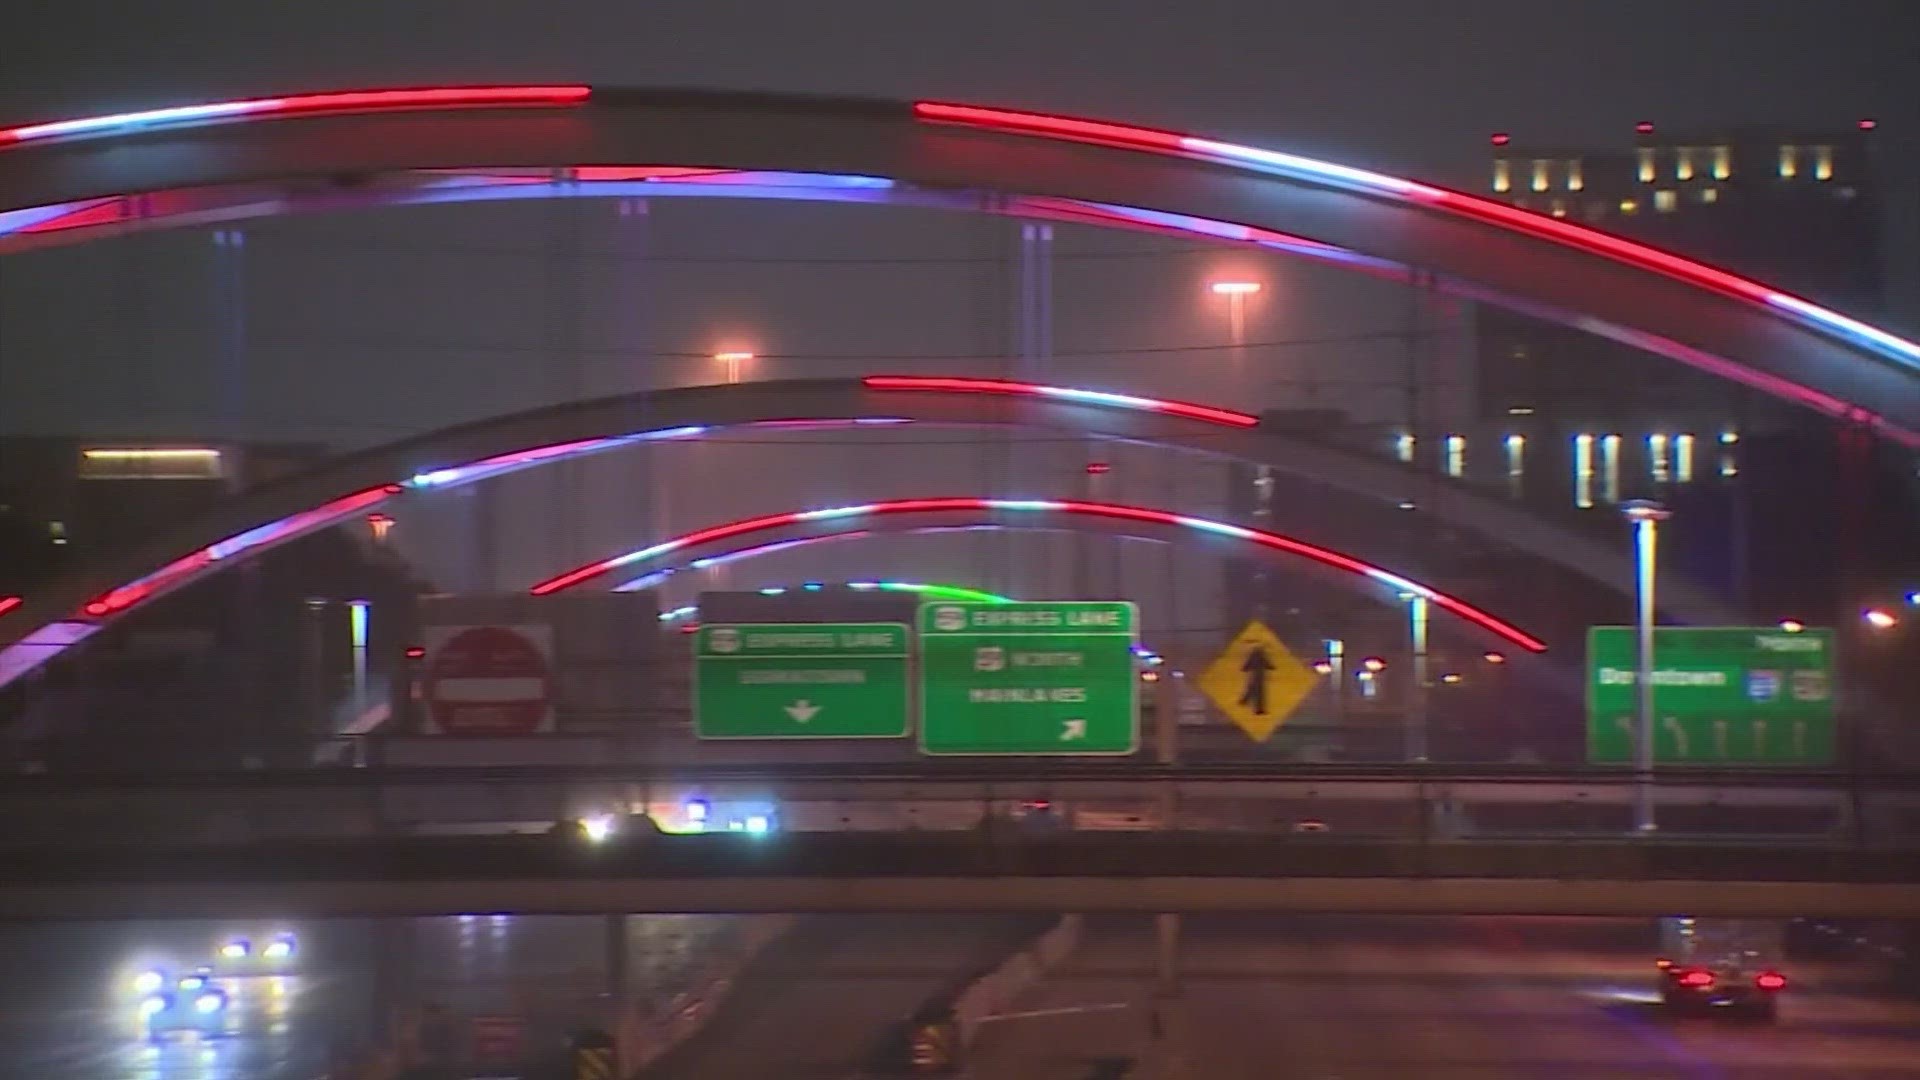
(181, 807)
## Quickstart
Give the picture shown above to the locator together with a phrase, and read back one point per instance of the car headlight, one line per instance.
(209, 1003)
(192, 982)
(278, 949)
(597, 827)
(151, 1004)
(236, 949)
(148, 982)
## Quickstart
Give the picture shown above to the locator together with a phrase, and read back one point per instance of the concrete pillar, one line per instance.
(394, 999)
(619, 979)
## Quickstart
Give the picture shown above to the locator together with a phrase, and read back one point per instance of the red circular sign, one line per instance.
(489, 680)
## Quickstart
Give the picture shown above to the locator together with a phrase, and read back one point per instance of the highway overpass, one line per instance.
(963, 872)
(60, 808)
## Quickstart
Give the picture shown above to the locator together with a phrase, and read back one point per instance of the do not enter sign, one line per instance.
(489, 680)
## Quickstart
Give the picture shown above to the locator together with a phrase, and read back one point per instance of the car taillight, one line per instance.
(1696, 977)
(1770, 980)
(1663, 964)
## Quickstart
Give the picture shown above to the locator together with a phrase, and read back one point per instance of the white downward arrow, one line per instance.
(802, 710)
(1073, 729)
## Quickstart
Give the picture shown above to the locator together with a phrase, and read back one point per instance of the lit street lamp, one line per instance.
(1646, 516)
(1236, 293)
(1879, 619)
(732, 360)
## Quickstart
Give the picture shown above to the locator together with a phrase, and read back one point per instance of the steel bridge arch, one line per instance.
(74, 605)
(70, 177)
(896, 516)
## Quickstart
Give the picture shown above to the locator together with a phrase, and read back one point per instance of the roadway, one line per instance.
(67, 1007)
(1358, 999)
(834, 995)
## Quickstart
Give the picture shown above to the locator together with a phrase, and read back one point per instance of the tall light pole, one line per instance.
(732, 360)
(1646, 516)
(1256, 587)
(1417, 749)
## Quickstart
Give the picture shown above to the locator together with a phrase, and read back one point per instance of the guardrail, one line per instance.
(1024, 797)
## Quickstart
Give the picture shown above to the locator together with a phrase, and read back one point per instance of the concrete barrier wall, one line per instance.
(993, 992)
(642, 1039)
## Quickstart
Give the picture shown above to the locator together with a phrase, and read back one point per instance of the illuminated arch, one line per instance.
(932, 589)
(129, 169)
(971, 506)
(75, 605)
(659, 576)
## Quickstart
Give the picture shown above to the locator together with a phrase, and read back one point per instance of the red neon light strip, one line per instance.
(1476, 207)
(443, 97)
(1191, 411)
(8, 603)
(353, 101)
(1064, 127)
(189, 566)
(1324, 556)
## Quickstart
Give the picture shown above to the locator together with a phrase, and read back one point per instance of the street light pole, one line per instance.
(1646, 516)
(1417, 712)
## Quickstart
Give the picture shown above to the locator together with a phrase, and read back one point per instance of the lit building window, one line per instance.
(1583, 471)
(1516, 463)
(1403, 448)
(1789, 162)
(1709, 194)
(1629, 206)
(57, 532)
(1722, 162)
(1456, 455)
(1541, 179)
(1823, 163)
(1665, 200)
(1683, 163)
(1576, 177)
(1683, 458)
(1502, 175)
(150, 463)
(1646, 165)
(1658, 463)
(1728, 466)
(1610, 468)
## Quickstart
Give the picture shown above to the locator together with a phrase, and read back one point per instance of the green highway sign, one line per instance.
(800, 681)
(1721, 695)
(1028, 678)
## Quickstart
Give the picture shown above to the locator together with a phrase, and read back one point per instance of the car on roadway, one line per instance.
(194, 1004)
(1721, 966)
(269, 954)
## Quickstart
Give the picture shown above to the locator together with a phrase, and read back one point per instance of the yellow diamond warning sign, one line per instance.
(1257, 682)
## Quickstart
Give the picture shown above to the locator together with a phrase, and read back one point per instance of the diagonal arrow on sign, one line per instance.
(802, 710)
(1072, 729)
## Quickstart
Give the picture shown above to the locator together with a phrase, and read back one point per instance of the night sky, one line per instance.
(1411, 83)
